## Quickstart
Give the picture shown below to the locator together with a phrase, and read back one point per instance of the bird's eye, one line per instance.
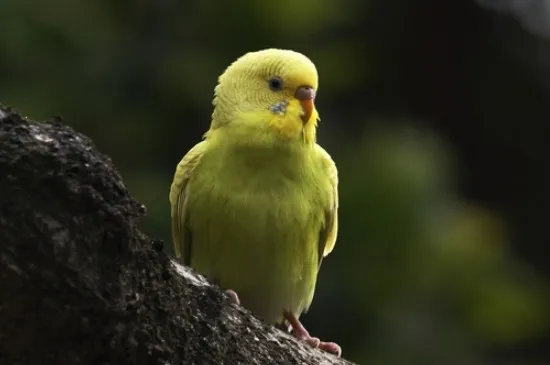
(275, 84)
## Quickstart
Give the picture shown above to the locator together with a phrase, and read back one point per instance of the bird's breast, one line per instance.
(259, 184)
(255, 225)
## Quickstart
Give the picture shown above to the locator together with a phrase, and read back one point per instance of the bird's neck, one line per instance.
(255, 146)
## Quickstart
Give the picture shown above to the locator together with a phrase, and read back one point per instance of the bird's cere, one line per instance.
(305, 93)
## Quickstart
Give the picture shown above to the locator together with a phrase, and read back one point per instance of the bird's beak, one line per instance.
(306, 95)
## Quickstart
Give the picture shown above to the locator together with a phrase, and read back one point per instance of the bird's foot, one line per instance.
(233, 296)
(300, 332)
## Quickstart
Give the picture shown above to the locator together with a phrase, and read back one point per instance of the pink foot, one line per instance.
(233, 296)
(299, 331)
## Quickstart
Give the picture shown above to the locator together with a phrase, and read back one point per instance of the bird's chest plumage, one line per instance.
(255, 225)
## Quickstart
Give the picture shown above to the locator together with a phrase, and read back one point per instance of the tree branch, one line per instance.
(81, 284)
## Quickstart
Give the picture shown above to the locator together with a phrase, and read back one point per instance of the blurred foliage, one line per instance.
(435, 272)
(420, 275)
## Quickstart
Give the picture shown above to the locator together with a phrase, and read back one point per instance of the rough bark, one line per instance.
(81, 284)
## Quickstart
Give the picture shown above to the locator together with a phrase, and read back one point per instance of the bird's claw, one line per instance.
(330, 347)
(233, 296)
(299, 332)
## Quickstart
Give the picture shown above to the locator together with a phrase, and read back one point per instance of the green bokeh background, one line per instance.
(434, 112)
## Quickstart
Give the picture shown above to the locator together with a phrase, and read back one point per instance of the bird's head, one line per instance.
(272, 90)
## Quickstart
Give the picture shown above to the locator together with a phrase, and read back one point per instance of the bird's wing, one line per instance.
(327, 236)
(181, 235)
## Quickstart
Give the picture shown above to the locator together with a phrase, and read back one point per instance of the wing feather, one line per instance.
(327, 235)
(181, 234)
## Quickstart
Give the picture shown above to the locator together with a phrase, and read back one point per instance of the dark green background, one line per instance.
(436, 112)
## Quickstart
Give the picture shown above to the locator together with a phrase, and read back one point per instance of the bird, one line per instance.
(254, 205)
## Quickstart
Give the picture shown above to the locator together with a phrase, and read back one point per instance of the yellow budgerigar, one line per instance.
(254, 205)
